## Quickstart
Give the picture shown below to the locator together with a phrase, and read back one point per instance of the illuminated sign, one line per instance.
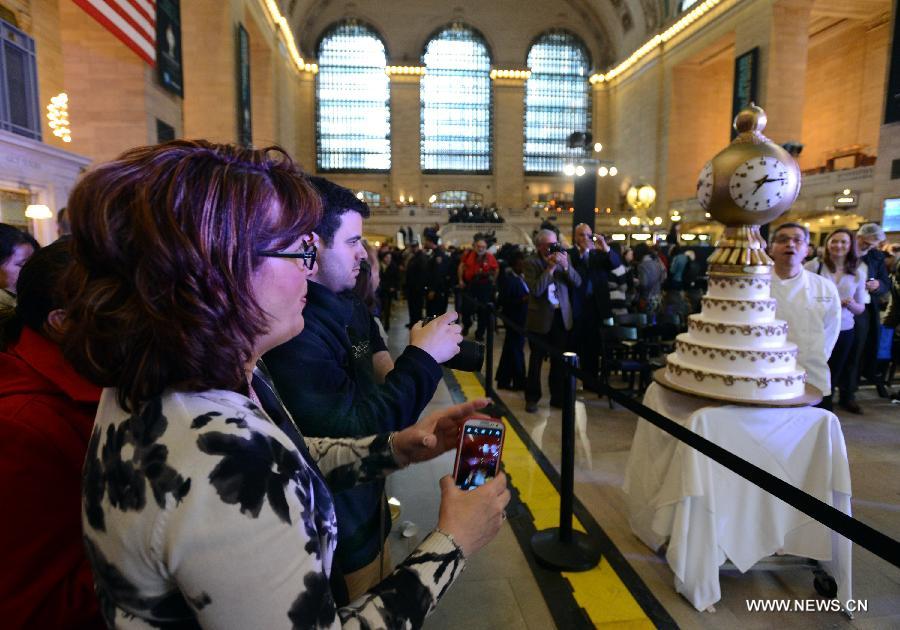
(891, 220)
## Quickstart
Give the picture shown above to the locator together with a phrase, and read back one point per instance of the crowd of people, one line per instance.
(197, 399)
(564, 295)
(474, 214)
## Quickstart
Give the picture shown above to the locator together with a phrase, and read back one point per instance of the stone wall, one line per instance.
(846, 77)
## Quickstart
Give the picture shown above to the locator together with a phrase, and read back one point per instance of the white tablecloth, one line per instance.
(708, 514)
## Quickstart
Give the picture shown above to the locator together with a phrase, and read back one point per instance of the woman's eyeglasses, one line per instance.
(308, 256)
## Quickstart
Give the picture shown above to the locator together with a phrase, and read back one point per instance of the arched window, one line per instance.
(557, 99)
(456, 102)
(353, 121)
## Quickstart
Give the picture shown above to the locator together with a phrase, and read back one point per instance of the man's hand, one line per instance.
(562, 259)
(601, 243)
(872, 285)
(436, 433)
(439, 338)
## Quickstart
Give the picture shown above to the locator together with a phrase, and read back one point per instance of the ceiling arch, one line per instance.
(609, 28)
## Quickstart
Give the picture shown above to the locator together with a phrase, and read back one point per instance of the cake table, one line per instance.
(708, 514)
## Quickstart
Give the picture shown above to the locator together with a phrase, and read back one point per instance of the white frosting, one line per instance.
(739, 287)
(732, 360)
(768, 335)
(739, 311)
(735, 349)
(735, 386)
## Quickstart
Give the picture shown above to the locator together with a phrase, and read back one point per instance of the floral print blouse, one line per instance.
(199, 511)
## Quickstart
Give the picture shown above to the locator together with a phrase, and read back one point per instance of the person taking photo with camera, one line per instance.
(551, 280)
(326, 378)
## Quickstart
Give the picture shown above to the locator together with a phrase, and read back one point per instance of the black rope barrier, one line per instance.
(867, 537)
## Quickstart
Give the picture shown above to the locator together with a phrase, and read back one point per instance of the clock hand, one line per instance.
(759, 182)
(766, 180)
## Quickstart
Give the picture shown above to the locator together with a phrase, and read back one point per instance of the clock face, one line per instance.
(761, 183)
(705, 186)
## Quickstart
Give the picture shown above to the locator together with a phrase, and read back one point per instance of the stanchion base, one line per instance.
(579, 555)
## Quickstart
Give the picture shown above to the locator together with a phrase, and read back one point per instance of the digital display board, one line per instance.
(891, 220)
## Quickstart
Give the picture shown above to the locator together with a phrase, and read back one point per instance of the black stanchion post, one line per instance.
(489, 349)
(567, 458)
(562, 548)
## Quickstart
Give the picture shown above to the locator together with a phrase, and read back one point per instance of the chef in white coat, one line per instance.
(809, 303)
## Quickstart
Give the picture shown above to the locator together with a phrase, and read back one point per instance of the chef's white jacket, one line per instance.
(811, 306)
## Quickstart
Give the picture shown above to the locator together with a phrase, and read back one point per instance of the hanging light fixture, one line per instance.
(641, 196)
(38, 211)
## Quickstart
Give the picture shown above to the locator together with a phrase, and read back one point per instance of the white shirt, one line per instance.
(849, 286)
(812, 308)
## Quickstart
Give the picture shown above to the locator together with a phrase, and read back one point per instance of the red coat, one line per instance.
(46, 415)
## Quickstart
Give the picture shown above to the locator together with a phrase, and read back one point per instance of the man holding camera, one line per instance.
(327, 382)
(551, 281)
(598, 265)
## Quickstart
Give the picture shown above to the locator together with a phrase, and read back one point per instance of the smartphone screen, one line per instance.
(478, 457)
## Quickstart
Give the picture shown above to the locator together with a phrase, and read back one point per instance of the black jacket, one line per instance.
(597, 269)
(325, 378)
(874, 260)
(439, 272)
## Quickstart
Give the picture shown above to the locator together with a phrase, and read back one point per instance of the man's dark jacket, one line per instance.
(439, 273)
(325, 378)
(592, 299)
(874, 260)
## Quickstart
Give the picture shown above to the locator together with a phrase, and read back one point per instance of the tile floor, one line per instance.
(498, 589)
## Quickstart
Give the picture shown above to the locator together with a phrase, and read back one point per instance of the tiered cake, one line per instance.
(735, 349)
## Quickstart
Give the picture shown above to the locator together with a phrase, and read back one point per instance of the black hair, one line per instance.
(10, 237)
(37, 291)
(336, 201)
(514, 256)
(641, 250)
(431, 234)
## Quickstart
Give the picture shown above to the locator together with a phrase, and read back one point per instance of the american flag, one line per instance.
(132, 21)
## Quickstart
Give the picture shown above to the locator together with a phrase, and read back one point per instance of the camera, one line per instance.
(555, 248)
(470, 357)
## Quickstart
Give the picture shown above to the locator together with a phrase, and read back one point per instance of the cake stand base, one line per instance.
(811, 395)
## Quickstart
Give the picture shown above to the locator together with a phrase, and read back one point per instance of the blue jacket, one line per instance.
(324, 376)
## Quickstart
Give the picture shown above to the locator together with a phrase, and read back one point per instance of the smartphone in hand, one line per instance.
(478, 453)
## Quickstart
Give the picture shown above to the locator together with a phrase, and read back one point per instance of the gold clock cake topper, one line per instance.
(749, 183)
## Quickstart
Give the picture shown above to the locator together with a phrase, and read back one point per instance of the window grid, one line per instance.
(448, 199)
(557, 100)
(353, 122)
(19, 108)
(455, 98)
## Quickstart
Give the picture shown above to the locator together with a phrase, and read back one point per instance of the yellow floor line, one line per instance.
(608, 603)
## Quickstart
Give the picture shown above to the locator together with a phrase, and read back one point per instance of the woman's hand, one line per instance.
(436, 433)
(473, 517)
